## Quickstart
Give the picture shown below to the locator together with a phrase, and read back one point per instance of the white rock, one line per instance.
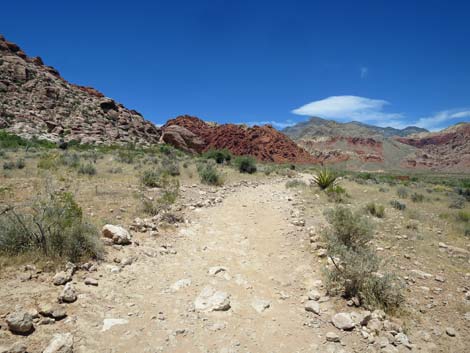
(332, 337)
(89, 281)
(212, 300)
(118, 234)
(108, 323)
(61, 343)
(314, 295)
(260, 305)
(343, 321)
(68, 295)
(312, 306)
(182, 283)
(61, 278)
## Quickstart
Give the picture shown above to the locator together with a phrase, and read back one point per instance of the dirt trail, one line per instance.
(266, 260)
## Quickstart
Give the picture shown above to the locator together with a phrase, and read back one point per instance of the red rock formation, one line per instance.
(262, 142)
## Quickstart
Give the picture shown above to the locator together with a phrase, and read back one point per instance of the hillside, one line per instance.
(263, 142)
(360, 146)
(317, 127)
(35, 101)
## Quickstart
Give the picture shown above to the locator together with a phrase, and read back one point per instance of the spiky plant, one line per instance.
(325, 178)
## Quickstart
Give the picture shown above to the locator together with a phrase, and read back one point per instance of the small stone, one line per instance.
(46, 321)
(118, 234)
(260, 305)
(68, 294)
(312, 306)
(61, 343)
(60, 278)
(108, 323)
(182, 283)
(20, 322)
(332, 337)
(343, 321)
(216, 269)
(89, 281)
(314, 295)
(17, 347)
(451, 332)
(212, 300)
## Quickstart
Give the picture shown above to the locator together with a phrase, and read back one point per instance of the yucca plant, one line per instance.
(325, 178)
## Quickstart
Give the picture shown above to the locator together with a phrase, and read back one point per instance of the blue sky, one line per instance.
(385, 62)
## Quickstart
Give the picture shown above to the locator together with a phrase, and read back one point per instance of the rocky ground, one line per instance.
(237, 276)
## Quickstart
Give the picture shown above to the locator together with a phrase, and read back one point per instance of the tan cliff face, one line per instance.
(35, 101)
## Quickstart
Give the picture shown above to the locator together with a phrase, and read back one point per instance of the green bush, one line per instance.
(52, 226)
(168, 196)
(8, 165)
(325, 178)
(71, 160)
(246, 164)
(375, 210)
(87, 169)
(397, 205)
(153, 178)
(457, 202)
(220, 156)
(355, 269)
(336, 193)
(402, 192)
(209, 175)
(463, 216)
(415, 197)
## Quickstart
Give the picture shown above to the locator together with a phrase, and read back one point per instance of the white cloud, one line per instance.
(347, 108)
(442, 118)
(364, 72)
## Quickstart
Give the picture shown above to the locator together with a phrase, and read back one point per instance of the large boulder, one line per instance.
(182, 138)
(118, 234)
(20, 322)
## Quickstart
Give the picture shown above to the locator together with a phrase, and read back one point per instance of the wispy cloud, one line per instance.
(347, 108)
(372, 111)
(443, 118)
(364, 72)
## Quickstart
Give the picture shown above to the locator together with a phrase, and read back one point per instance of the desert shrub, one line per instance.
(87, 169)
(463, 216)
(48, 161)
(336, 193)
(245, 164)
(402, 192)
(170, 167)
(375, 210)
(464, 192)
(71, 160)
(209, 174)
(52, 226)
(11, 141)
(18, 164)
(295, 183)
(382, 189)
(126, 156)
(355, 270)
(153, 178)
(416, 197)
(220, 156)
(457, 202)
(397, 205)
(8, 165)
(325, 178)
(116, 170)
(168, 196)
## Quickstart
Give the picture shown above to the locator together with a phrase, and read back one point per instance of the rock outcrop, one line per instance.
(262, 142)
(35, 101)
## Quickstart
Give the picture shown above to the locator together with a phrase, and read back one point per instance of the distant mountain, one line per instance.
(316, 127)
(356, 145)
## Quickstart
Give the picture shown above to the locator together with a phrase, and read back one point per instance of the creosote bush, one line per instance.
(219, 156)
(325, 178)
(415, 197)
(246, 164)
(336, 193)
(355, 269)
(375, 210)
(87, 169)
(52, 226)
(397, 205)
(168, 195)
(295, 183)
(209, 174)
(402, 192)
